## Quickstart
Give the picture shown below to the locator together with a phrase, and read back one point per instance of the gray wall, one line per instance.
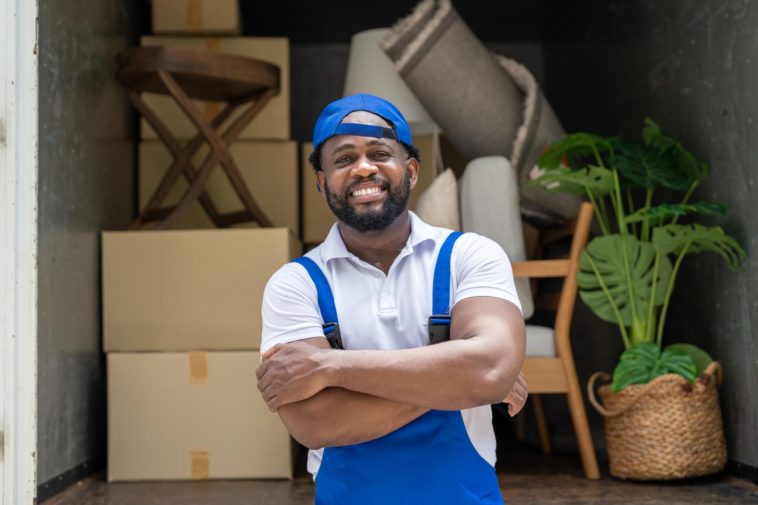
(86, 174)
(692, 65)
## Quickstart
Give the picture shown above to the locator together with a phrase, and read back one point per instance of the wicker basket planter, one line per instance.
(665, 429)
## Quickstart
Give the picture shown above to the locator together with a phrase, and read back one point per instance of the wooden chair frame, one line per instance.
(558, 374)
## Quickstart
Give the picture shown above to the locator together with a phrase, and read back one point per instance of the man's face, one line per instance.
(367, 181)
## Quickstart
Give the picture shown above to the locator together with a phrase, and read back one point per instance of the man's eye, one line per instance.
(381, 155)
(342, 160)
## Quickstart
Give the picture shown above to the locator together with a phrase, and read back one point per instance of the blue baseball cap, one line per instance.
(329, 123)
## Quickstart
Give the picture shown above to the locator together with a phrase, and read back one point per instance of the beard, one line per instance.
(373, 219)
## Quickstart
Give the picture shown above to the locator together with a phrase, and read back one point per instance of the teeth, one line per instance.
(366, 191)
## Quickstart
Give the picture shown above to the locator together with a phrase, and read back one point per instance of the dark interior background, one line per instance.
(692, 65)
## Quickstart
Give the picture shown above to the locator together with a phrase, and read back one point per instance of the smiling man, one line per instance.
(348, 360)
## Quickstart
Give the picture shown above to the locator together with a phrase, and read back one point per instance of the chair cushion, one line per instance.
(540, 341)
(438, 204)
(490, 207)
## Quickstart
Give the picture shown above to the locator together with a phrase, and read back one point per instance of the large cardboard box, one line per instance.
(191, 416)
(210, 17)
(273, 122)
(188, 290)
(318, 218)
(269, 169)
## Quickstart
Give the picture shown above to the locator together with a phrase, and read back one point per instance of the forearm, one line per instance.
(453, 375)
(337, 417)
(477, 367)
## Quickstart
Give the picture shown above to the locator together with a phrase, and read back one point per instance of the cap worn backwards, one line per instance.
(330, 123)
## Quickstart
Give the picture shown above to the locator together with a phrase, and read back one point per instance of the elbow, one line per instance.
(496, 383)
(494, 391)
(302, 427)
(310, 441)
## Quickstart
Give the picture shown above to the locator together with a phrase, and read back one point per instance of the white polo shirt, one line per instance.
(378, 311)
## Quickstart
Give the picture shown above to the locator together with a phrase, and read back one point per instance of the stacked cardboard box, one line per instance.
(181, 307)
(211, 17)
(181, 322)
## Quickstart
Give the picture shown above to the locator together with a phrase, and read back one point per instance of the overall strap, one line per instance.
(325, 301)
(439, 321)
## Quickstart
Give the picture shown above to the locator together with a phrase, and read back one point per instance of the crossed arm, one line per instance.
(328, 398)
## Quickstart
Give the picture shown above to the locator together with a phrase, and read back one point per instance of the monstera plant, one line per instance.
(627, 274)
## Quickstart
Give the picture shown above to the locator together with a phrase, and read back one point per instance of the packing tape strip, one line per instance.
(198, 362)
(194, 13)
(211, 108)
(201, 467)
(212, 43)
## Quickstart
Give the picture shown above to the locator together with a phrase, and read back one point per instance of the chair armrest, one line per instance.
(541, 268)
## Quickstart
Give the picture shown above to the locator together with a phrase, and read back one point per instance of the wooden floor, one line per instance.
(526, 478)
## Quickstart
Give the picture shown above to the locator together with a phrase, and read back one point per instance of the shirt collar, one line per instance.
(334, 247)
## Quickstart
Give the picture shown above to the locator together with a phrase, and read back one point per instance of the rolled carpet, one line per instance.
(540, 128)
(454, 76)
(486, 106)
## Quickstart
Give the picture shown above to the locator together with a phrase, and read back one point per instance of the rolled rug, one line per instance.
(405, 30)
(540, 128)
(454, 76)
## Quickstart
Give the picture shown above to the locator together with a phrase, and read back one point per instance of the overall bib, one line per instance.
(431, 460)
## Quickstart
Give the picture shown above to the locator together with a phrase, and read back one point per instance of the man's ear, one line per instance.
(319, 181)
(413, 167)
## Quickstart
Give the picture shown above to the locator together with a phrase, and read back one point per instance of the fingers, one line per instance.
(516, 399)
(516, 405)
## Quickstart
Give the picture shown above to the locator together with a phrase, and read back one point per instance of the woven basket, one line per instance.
(665, 429)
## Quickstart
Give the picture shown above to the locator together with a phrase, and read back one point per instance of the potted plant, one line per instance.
(661, 409)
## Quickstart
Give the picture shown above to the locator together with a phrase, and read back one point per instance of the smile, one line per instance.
(374, 190)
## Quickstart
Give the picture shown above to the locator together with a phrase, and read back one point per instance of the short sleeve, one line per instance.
(290, 308)
(482, 268)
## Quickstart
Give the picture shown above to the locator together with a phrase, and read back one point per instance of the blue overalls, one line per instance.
(430, 460)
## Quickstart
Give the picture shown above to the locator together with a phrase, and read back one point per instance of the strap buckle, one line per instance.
(439, 328)
(333, 335)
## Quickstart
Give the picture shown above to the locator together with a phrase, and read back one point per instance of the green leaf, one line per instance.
(678, 362)
(573, 147)
(667, 210)
(606, 254)
(673, 238)
(648, 167)
(701, 358)
(595, 179)
(686, 162)
(653, 136)
(635, 366)
(644, 362)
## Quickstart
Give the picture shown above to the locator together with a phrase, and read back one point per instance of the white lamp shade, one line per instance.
(371, 71)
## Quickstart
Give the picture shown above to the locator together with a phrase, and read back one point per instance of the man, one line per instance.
(401, 421)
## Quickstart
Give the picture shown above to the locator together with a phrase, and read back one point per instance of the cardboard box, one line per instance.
(220, 17)
(188, 290)
(191, 416)
(273, 122)
(269, 169)
(318, 217)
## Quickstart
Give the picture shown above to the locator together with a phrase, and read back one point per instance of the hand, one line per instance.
(517, 397)
(291, 373)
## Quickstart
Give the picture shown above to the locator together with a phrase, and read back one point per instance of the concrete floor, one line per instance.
(527, 477)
